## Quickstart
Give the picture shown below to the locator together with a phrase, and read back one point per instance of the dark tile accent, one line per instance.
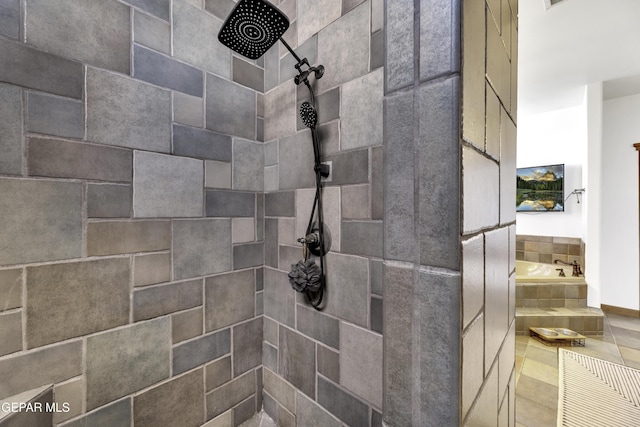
(350, 168)
(247, 346)
(229, 299)
(248, 255)
(218, 373)
(279, 297)
(118, 237)
(231, 108)
(376, 314)
(297, 361)
(377, 50)
(318, 326)
(200, 351)
(179, 402)
(201, 247)
(280, 203)
(163, 71)
(350, 410)
(259, 279)
(159, 8)
(164, 299)
(376, 275)
(222, 203)
(185, 325)
(260, 216)
(109, 201)
(244, 411)
(10, 332)
(230, 394)
(28, 67)
(260, 129)
(201, 143)
(376, 418)
(98, 291)
(50, 365)
(55, 116)
(64, 159)
(11, 128)
(248, 74)
(95, 32)
(271, 242)
(220, 8)
(348, 5)
(377, 183)
(114, 414)
(362, 238)
(10, 19)
(123, 361)
(152, 32)
(10, 289)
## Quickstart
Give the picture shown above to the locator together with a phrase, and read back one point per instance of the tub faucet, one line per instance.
(577, 271)
(561, 270)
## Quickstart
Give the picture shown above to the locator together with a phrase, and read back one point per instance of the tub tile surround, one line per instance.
(133, 280)
(547, 249)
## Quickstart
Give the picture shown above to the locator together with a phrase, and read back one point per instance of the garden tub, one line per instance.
(535, 272)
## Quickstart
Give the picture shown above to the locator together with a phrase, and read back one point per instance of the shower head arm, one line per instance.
(303, 74)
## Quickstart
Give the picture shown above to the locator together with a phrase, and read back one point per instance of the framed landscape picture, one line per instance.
(540, 189)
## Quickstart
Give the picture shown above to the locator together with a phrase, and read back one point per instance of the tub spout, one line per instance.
(577, 271)
(561, 270)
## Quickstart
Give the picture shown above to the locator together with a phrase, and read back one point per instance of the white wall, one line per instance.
(551, 138)
(619, 203)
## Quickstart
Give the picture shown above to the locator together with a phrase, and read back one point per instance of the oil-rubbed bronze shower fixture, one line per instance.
(252, 28)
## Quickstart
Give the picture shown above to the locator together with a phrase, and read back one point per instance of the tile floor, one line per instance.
(537, 367)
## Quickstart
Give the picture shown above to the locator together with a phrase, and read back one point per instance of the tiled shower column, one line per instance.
(449, 212)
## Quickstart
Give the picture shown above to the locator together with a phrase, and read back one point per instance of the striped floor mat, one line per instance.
(594, 392)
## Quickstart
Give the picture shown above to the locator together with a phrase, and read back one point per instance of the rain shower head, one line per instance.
(253, 27)
(308, 115)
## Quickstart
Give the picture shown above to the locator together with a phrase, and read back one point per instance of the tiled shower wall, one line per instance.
(324, 368)
(449, 179)
(131, 199)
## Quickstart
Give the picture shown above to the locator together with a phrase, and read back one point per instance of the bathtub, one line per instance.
(532, 272)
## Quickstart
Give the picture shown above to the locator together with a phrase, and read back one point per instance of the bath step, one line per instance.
(551, 295)
(585, 321)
